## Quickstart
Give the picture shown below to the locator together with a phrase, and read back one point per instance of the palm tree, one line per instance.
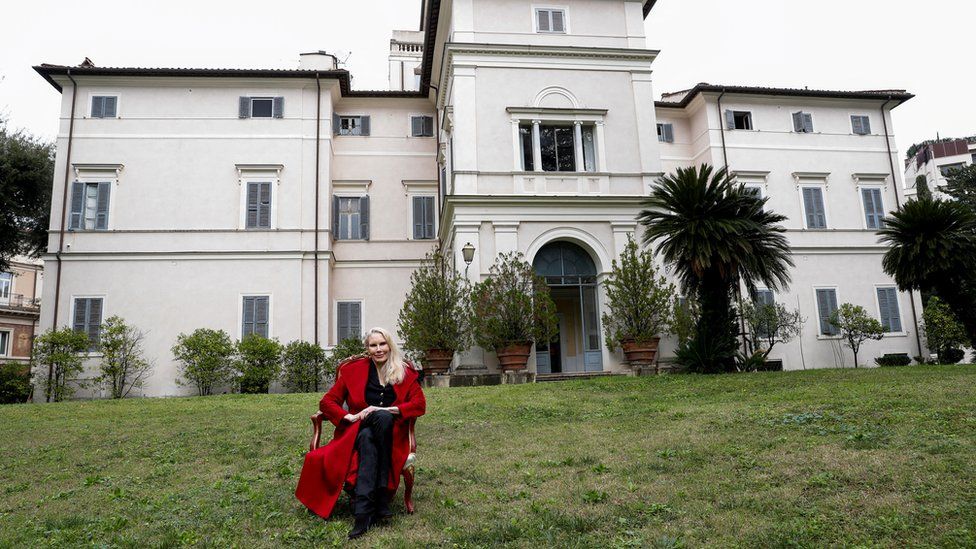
(933, 248)
(714, 234)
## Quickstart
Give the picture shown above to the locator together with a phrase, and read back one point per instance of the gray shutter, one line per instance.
(861, 125)
(363, 125)
(101, 211)
(342, 331)
(364, 217)
(416, 126)
(826, 305)
(355, 320)
(278, 107)
(336, 124)
(729, 119)
(261, 316)
(247, 325)
(428, 217)
(807, 122)
(81, 315)
(98, 107)
(418, 217)
(77, 205)
(109, 106)
(94, 321)
(798, 122)
(335, 217)
(245, 108)
(888, 306)
(428, 126)
(669, 133)
(252, 206)
(808, 208)
(814, 208)
(558, 24)
(543, 17)
(872, 208)
(264, 205)
(866, 124)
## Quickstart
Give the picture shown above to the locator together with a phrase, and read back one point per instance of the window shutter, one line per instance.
(819, 208)
(798, 122)
(364, 217)
(729, 119)
(416, 126)
(109, 107)
(866, 125)
(336, 124)
(558, 22)
(247, 318)
(543, 17)
(418, 217)
(94, 321)
(355, 320)
(245, 108)
(808, 208)
(428, 217)
(342, 328)
(264, 205)
(888, 306)
(669, 133)
(278, 107)
(81, 315)
(364, 125)
(252, 206)
(807, 122)
(814, 206)
(101, 209)
(98, 107)
(428, 126)
(335, 217)
(826, 305)
(77, 205)
(261, 316)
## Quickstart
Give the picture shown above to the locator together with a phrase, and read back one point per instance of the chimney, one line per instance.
(316, 61)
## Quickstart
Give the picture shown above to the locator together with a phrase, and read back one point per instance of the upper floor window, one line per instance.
(860, 124)
(350, 125)
(104, 106)
(262, 107)
(423, 217)
(254, 318)
(422, 126)
(550, 20)
(561, 147)
(88, 319)
(948, 168)
(350, 217)
(258, 205)
(6, 283)
(89, 205)
(873, 208)
(802, 122)
(813, 208)
(665, 133)
(738, 120)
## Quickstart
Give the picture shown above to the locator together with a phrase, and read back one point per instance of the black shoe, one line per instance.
(363, 522)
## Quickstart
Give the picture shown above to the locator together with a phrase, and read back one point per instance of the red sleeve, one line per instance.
(414, 404)
(332, 401)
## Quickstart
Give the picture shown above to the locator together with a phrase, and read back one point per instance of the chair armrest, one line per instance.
(317, 430)
(413, 437)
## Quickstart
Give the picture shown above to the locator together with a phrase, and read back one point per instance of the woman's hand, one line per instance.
(351, 418)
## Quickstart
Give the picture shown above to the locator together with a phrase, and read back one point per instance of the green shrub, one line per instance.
(512, 306)
(435, 313)
(896, 359)
(303, 366)
(205, 358)
(944, 334)
(347, 348)
(638, 306)
(57, 360)
(951, 356)
(258, 362)
(123, 365)
(15, 385)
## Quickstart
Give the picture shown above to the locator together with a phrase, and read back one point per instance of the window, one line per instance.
(350, 125)
(558, 148)
(888, 307)
(262, 107)
(802, 122)
(350, 217)
(762, 298)
(423, 217)
(88, 319)
(665, 133)
(6, 282)
(826, 305)
(949, 168)
(860, 124)
(421, 126)
(349, 321)
(104, 106)
(550, 20)
(738, 120)
(813, 208)
(254, 319)
(258, 205)
(873, 208)
(5, 343)
(89, 205)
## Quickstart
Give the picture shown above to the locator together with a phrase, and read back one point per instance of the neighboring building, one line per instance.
(406, 55)
(935, 161)
(284, 203)
(20, 308)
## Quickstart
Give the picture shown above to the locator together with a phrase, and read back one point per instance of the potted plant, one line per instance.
(511, 310)
(433, 322)
(639, 305)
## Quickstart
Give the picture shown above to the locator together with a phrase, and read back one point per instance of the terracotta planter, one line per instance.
(438, 361)
(514, 357)
(640, 352)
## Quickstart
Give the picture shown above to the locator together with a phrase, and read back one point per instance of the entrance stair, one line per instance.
(568, 376)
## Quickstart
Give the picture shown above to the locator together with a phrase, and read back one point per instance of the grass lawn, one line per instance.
(877, 457)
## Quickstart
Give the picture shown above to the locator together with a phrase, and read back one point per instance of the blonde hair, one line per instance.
(394, 369)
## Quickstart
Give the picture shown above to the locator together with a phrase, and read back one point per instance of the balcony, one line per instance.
(17, 303)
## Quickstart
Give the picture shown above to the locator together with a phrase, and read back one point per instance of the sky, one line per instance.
(922, 47)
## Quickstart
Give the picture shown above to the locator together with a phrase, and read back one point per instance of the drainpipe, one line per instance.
(64, 213)
(315, 254)
(721, 128)
(894, 184)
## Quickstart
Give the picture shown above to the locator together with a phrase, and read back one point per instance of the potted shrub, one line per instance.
(511, 310)
(639, 305)
(434, 320)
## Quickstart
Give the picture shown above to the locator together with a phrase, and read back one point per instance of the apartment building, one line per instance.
(285, 203)
(20, 305)
(935, 161)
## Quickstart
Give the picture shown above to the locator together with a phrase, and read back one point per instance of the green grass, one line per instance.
(879, 457)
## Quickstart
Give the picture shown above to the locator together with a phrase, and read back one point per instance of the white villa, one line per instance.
(283, 202)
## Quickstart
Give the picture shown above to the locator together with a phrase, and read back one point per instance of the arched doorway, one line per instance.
(571, 275)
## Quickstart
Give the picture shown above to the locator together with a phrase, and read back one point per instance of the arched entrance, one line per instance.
(571, 275)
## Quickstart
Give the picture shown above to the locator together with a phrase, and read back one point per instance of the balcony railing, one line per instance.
(18, 302)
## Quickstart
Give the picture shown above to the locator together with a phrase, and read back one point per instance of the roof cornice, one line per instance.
(877, 95)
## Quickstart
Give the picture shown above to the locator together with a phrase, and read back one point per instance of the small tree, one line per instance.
(944, 334)
(922, 188)
(303, 365)
(961, 185)
(435, 313)
(638, 298)
(123, 364)
(258, 362)
(856, 326)
(15, 383)
(769, 324)
(57, 360)
(205, 358)
(685, 314)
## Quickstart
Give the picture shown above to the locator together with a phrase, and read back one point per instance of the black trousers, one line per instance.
(375, 446)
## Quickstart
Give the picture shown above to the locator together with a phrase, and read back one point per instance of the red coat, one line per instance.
(329, 467)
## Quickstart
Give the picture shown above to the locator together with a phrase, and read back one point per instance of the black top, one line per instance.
(376, 394)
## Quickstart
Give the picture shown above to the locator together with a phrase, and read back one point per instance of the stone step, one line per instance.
(567, 376)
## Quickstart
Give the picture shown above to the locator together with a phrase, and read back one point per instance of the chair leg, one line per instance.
(408, 473)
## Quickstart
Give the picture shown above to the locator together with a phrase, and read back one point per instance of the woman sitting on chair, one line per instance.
(371, 441)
